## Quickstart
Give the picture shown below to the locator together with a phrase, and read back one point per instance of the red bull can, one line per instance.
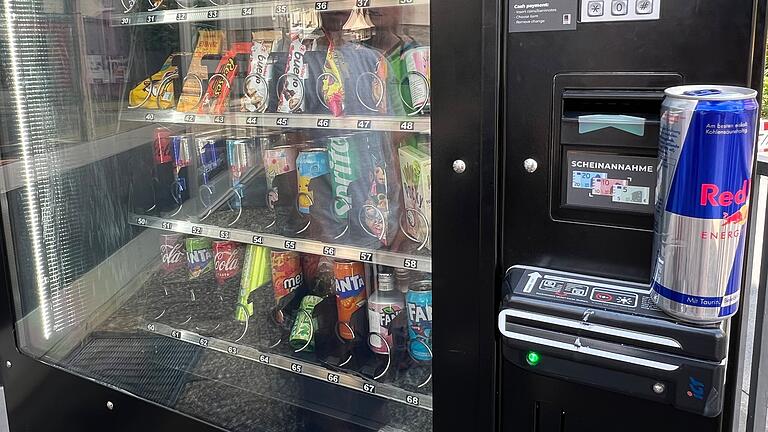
(706, 154)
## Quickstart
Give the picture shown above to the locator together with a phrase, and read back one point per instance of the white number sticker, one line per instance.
(190, 118)
(203, 342)
(218, 119)
(321, 5)
(281, 9)
(323, 123)
(264, 359)
(257, 240)
(213, 14)
(281, 121)
(166, 225)
(369, 388)
(151, 327)
(149, 117)
(232, 350)
(329, 250)
(290, 244)
(125, 21)
(181, 16)
(363, 3)
(333, 378)
(363, 124)
(406, 126)
(252, 121)
(296, 367)
(410, 263)
(151, 18)
(224, 234)
(247, 11)
(141, 221)
(366, 256)
(413, 400)
(197, 230)
(176, 334)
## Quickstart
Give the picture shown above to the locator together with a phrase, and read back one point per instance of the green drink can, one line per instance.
(199, 256)
(303, 332)
(344, 162)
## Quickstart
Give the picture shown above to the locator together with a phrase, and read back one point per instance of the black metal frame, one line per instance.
(465, 39)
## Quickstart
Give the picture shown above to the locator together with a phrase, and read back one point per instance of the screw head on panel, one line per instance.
(530, 165)
(658, 388)
(459, 166)
(8, 364)
(110, 405)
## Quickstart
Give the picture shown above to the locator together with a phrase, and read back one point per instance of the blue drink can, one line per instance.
(706, 154)
(311, 163)
(418, 303)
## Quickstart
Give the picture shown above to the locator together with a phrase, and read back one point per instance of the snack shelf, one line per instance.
(393, 259)
(303, 121)
(248, 10)
(298, 367)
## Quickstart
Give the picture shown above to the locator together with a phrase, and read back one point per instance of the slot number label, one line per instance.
(151, 327)
(295, 367)
(203, 342)
(290, 244)
(363, 124)
(125, 21)
(213, 14)
(251, 121)
(329, 250)
(224, 235)
(248, 11)
(363, 3)
(264, 359)
(366, 256)
(323, 123)
(281, 9)
(218, 119)
(332, 378)
(149, 117)
(232, 350)
(175, 334)
(141, 221)
(166, 225)
(189, 118)
(412, 400)
(369, 388)
(182, 16)
(281, 121)
(151, 18)
(321, 5)
(197, 230)
(410, 263)
(257, 240)
(406, 126)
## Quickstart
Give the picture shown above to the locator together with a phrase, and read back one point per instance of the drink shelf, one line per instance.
(248, 10)
(411, 261)
(420, 124)
(299, 367)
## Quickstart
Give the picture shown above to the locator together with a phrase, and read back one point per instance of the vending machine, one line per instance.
(240, 215)
(583, 344)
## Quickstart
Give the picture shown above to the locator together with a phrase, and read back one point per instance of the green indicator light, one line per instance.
(533, 358)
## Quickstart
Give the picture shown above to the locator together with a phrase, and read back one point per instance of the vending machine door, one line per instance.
(223, 209)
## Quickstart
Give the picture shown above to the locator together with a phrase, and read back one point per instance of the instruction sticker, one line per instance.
(536, 16)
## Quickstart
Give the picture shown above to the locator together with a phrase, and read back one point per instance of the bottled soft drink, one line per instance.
(384, 305)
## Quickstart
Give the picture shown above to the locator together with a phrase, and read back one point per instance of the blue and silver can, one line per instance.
(418, 304)
(706, 154)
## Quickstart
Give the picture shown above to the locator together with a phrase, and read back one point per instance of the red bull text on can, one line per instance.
(706, 153)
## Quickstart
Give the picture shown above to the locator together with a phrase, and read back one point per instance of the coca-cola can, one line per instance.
(227, 260)
(172, 252)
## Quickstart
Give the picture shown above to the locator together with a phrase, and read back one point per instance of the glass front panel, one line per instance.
(224, 206)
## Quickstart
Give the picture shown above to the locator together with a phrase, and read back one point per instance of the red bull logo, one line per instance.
(711, 195)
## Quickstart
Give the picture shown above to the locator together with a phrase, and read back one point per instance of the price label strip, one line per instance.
(303, 121)
(386, 391)
(247, 10)
(392, 259)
